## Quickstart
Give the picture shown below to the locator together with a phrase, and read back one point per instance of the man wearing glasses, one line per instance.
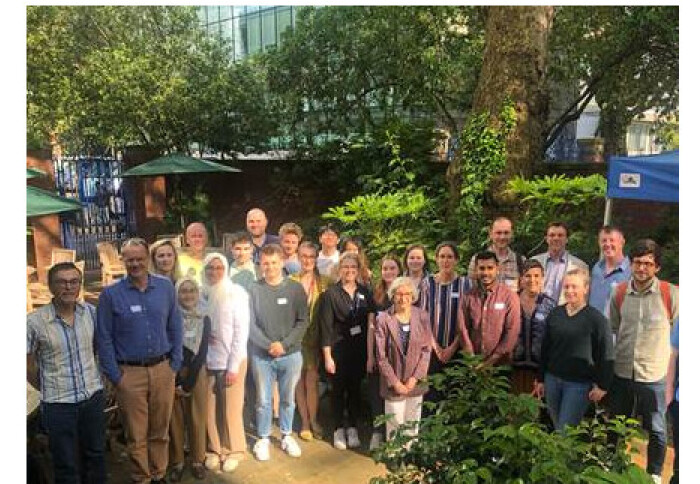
(139, 340)
(510, 263)
(60, 341)
(642, 312)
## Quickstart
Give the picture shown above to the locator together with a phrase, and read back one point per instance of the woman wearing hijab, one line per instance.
(227, 306)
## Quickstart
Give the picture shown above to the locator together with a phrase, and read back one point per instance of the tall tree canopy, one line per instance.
(111, 76)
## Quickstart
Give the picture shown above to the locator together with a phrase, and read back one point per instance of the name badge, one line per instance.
(405, 328)
(455, 294)
(191, 333)
(136, 308)
(281, 300)
(499, 305)
(361, 296)
(355, 330)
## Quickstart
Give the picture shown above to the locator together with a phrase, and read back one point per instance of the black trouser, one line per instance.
(77, 436)
(350, 367)
(376, 402)
(673, 410)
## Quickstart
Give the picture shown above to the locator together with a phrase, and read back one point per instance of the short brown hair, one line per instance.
(291, 228)
(272, 249)
(557, 224)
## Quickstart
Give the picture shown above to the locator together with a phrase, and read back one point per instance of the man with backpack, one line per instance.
(642, 312)
(510, 263)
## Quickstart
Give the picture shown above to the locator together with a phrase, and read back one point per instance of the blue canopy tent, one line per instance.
(653, 177)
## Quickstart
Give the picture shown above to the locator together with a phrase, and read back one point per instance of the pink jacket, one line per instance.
(393, 364)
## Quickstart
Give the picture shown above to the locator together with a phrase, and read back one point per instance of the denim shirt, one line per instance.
(602, 283)
(134, 324)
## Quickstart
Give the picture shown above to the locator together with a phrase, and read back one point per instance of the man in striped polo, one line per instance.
(60, 342)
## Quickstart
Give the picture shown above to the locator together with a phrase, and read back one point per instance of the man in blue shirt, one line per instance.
(611, 270)
(139, 341)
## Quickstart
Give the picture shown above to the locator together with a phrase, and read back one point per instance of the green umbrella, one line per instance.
(34, 172)
(177, 163)
(41, 202)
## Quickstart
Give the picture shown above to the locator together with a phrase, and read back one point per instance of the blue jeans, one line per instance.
(567, 401)
(286, 370)
(650, 399)
(77, 436)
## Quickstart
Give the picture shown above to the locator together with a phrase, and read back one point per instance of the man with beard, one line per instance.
(642, 311)
(489, 314)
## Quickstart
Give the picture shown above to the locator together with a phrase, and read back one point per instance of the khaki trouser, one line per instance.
(230, 420)
(190, 412)
(145, 395)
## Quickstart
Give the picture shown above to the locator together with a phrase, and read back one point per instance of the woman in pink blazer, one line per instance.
(404, 344)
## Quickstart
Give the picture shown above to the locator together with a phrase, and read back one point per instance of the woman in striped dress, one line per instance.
(440, 294)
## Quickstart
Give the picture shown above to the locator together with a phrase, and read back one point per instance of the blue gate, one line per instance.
(96, 182)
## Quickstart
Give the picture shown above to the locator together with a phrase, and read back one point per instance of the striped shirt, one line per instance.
(64, 353)
(441, 301)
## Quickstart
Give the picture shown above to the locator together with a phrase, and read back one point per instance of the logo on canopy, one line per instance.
(630, 180)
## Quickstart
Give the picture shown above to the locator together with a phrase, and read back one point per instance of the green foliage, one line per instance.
(482, 156)
(627, 56)
(577, 201)
(481, 433)
(668, 133)
(345, 69)
(187, 202)
(117, 75)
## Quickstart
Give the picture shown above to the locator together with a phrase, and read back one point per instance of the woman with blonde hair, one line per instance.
(576, 364)
(164, 260)
(307, 389)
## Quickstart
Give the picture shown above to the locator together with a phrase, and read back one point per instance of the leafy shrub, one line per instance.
(578, 201)
(481, 433)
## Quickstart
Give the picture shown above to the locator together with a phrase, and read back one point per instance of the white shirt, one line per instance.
(327, 264)
(230, 325)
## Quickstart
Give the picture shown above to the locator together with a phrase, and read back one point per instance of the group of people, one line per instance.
(190, 336)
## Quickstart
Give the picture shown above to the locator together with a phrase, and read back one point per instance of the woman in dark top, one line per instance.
(190, 404)
(577, 355)
(535, 306)
(351, 244)
(345, 311)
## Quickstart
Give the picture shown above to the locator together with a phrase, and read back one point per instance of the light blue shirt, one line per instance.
(554, 274)
(602, 283)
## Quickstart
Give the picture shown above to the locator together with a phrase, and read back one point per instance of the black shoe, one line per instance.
(199, 471)
(175, 474)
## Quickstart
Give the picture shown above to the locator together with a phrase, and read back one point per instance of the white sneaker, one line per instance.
(353, 438)
(339, 439)
(656, 478)
(376, 440)
(261, 449)
(290, 446)
(229, 465)
(212, 462)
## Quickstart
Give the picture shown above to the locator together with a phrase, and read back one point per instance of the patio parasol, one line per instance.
(42, 202)
(178, 164)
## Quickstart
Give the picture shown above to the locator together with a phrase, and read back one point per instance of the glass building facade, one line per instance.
(249, 29)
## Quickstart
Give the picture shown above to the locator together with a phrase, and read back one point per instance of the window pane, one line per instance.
(240, 38)
(225, 12)
(284, 21)
(268, 28)
(202, 14)
(253, 33)
(212, 14)
(227, 32)
(238, 11)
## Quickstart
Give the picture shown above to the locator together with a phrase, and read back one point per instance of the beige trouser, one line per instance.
(190, 412)
(231, 419)
(145, 396)
(403, 411)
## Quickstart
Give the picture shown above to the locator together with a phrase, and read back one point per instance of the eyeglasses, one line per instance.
(643, 263)
(68, 282)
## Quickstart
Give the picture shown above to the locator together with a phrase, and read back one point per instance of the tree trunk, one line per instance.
(515, 59)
